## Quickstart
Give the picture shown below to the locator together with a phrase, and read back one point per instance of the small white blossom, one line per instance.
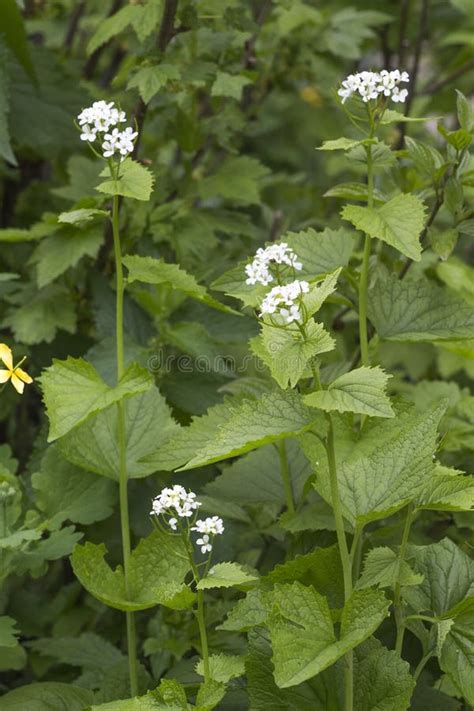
(174, 501)
(99, 122)
(258, 271)
(369, 85)
(284, 296)
(211, 525)
(206, 547)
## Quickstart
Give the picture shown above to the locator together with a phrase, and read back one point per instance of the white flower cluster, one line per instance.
(370, 85)
(175, 502)
(258, 271)
(97, 123)
(211, 526)
(282, 299)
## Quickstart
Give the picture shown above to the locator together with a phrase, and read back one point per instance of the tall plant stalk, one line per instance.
(199, 612)
(364, 273)
(121, 433)
(400, 622)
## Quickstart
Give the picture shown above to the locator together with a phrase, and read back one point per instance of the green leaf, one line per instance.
(399, 223)
(249, 612)
(210, 694)
(287, 353)
(238, 179)
(156, 271)
(64, 492)
(382, 567)
(447, 490)
(230, 85)
(226, 575)
(139, 703)
(361, 390)
(402, 310)
(81, 217)
(6, 151)
(73, 391)
(391, 116)
(223, 667)
(12, 29)
(448, 577)
(253, 423)
(255, 478)
(39, 315)
(47, 696)
(111, 26)
(135, 181)
(457, 654)
(386, 468)
(354, 191)
(302, 633)
(93, 446)
(342, 144)
(465, 112)
(157, 569)
(382, 680)
(57, 253)
(8, 633)
(150, 79)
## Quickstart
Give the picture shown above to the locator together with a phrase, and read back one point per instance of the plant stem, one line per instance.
(285, 475)
(364, 274)
(124, 517)
(344, 553)
(422, 665)
(399, 619)
(200, 611)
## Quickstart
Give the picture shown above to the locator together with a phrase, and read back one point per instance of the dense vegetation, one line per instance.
(243, 290)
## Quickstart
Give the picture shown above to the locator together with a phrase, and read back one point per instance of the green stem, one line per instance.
(285, 475)
(399, 618)
(422, 665)
(364, 273)
(124, 516)
(200, 610)
(344, 553)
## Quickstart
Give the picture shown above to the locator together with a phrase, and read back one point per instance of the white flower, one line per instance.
(213, 525)
(369, 85)
(258, 271)
(283, 296)
(96, 122)
(206, 547)
(175, 501)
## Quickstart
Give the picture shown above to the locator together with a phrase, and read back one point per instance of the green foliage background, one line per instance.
(231, 99)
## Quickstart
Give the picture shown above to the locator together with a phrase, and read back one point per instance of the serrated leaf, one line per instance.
(342, 144)
(457, 653)
(402, 310)
(382, 680)
(226, 575)
(383, 568)
(156, 271)
(134, 181)
(157, 569)
(57, 253)
(81, 216)
(447, 490)
(12, 29)
(448, 577)
(73, 391)
(223, 667)
(253, 423)
(238, 179)
(302, 633)
(8, 632)
(399, 223)
(287, 353)
(150, 79)
(39, 315)
(354, 191)
(230, 85)
(361, 390)
(111, 26)
(47, 696)
(385, 469)
(93, 446)
(64, 492)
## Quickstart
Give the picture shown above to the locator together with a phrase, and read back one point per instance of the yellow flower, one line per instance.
(15, 374)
